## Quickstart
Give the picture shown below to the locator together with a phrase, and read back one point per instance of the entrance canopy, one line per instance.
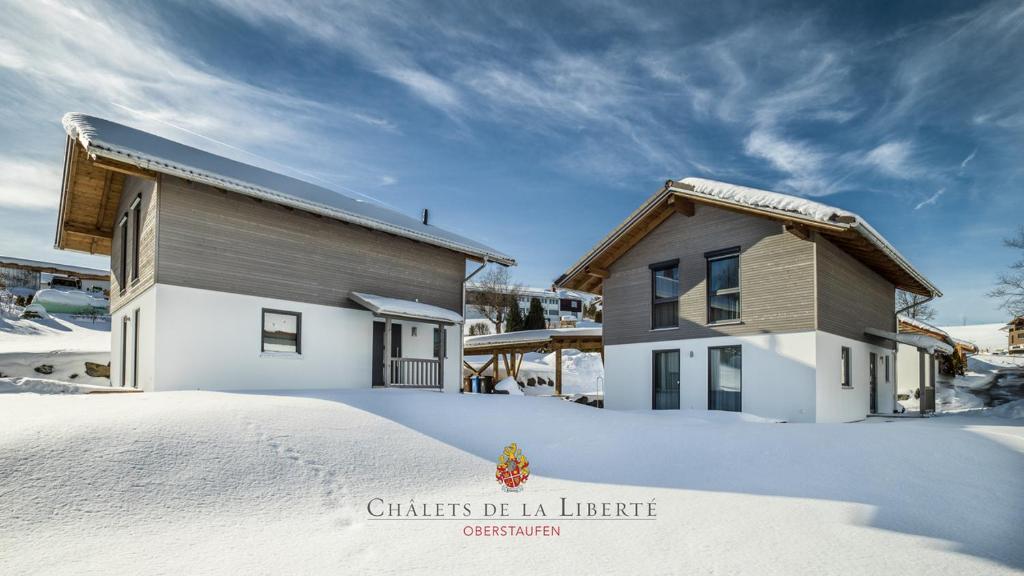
(919, 341)
(408, 309)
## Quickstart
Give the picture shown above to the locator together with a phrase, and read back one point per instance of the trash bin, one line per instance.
(474, 384)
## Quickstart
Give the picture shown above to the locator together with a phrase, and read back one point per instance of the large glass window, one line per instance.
(282, 331)
(665, 295)
(723, 286)
(666, 380)
(725, 378)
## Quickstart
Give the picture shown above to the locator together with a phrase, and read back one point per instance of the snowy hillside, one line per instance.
(988, 337)
(218, 483)
(63, 342)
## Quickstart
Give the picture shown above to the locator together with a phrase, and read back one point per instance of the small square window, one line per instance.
(282, 331)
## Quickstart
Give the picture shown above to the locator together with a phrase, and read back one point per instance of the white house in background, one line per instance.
(24, 276)
(723, 297)
(228, 276)
(559, 305)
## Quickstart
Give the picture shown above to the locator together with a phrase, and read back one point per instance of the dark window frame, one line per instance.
(122, 268)
(887, 380)
(136, 212)
(846, 360)
(654, 376)
(655, 268)
(709, 257)
(439, 343)
(298, 329)
(135, 348)
(710, 389)
(124, 350)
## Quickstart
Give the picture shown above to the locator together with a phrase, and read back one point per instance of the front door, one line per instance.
(378, 349)
(874, 381)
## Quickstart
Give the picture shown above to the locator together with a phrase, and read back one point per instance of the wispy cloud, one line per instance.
(893, 159)
(931, 199)
(967, 160)
(28, 184)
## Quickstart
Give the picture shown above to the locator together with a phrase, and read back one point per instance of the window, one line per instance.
(725, 378)
(136, 233)
(439, 344)
(887, 368)
(666, 380)
(723, 285)
(282, 331)
(665, 294)
(135, 348)
(846, 381)
(124, 349)
(122, 268)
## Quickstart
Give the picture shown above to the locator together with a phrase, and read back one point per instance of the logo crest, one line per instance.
(513, 469)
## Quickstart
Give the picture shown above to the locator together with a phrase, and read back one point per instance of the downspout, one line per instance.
(464, 281)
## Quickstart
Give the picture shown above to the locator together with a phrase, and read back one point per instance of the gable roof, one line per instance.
(106, 139)
(846, 229)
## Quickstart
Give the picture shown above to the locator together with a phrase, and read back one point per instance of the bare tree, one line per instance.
(495, 294)
(919, 309)
(1010, 285)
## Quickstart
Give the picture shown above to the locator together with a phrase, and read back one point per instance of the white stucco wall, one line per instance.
(778, 374)
(211, 340)
(146, 305)
(834, 402)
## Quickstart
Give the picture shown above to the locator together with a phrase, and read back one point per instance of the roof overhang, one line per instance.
(583, 339)
(92, 167)
(919, 341)
(399, 309)
(848, 232)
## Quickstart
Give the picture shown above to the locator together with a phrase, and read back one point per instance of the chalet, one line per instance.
(228, 276)
(724, 297)
(1015, 335)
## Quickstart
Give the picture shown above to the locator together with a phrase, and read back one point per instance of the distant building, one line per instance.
(1015, 335)
(560, 306)
(28, 276)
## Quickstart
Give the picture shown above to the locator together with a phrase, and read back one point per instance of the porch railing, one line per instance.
(416, 372)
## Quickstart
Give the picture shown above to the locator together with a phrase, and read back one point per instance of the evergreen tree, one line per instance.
(535, 316)
(514, 321)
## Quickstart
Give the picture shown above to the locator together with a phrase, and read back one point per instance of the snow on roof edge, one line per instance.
(529, 336)
(78, 127)
(763, 200)
(405, 308)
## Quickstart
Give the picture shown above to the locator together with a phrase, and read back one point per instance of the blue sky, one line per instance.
(536, 127)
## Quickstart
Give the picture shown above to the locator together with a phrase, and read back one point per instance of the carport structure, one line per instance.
(511, 347)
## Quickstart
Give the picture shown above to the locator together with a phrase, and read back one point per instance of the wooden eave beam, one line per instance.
(682, 205)
(123, 168)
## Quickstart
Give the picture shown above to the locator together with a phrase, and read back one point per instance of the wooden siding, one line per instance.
(134, 187)
(851, 297)
(218, 240)
(776, 278)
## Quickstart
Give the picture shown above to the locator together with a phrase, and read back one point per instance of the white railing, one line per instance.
(415, 372)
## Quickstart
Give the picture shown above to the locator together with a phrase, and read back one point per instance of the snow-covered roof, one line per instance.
(405, 308)
(782, 206)
(926, 343)
(530, 336)
(535, 291)
(54, 267)
(922, 325)
(103, 138)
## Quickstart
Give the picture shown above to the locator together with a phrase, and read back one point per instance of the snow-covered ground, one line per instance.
(219, 483)
(990, 380)
(582, 372)
(62, 341)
